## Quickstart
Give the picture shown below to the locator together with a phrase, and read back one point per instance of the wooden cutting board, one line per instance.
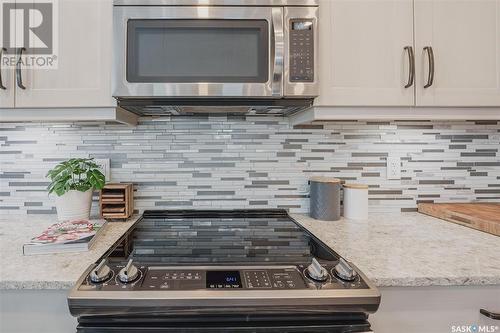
(480, 216)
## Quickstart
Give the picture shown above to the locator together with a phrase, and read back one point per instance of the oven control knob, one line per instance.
(101, 273)
(316, 272)
(344, 271)
(129, 273)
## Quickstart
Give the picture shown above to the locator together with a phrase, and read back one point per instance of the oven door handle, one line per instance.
(277, 51)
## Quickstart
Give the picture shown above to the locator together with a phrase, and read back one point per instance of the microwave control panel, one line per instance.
(301, 50)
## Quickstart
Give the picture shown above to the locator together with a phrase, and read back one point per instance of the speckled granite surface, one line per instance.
(47, 271)
(412, 249)
(406, 249)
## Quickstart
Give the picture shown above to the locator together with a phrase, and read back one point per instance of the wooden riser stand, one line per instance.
(116, 201)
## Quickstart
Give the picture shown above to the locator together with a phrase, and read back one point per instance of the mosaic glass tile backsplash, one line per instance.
(225, 162)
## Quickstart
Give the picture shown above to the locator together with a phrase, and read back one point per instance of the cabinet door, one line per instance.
(83, 76)
(362, 52)
(6, 74)
(465, 40)
(7, 86)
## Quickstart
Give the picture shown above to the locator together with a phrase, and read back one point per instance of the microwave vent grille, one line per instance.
(158, 107)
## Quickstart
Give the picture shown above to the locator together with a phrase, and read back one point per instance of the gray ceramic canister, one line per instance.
(325, 198)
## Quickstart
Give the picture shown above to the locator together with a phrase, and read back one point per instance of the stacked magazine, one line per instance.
(68, 236)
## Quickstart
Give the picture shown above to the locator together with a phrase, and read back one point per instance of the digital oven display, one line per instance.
(223, 279)
(302, 25)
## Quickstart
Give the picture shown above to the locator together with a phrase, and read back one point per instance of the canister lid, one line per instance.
(356, 186)
(325, 180)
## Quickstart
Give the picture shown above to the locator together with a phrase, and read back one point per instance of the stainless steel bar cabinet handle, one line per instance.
(430, 57)
(19, 77)
(411, 67)
(490, 314)
(2, 50)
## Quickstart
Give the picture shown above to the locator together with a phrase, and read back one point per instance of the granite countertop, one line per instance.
(47, 271)
(406, 249)
(411, 249)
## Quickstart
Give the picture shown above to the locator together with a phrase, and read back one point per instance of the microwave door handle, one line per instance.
(277, 51)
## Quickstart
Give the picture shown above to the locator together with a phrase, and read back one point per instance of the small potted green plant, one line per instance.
(73, 182)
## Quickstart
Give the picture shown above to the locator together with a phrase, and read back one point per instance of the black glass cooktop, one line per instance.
(186, 237)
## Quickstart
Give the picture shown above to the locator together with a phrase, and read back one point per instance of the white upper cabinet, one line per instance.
(456, 53)
(83, 75)
(464, 36)
(6, 73)
(363, 59)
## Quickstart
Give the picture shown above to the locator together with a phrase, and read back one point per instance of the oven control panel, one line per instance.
(284, 278)
(237, 278)
(301, 50)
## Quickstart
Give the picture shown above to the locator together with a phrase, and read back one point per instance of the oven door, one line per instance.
(198, 52)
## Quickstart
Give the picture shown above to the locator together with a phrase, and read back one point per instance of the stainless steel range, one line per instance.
(222, 271)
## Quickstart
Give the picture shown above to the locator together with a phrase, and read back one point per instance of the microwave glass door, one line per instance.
(185, 51)
(191, 51)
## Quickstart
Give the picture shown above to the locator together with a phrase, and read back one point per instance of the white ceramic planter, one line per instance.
(74, 205)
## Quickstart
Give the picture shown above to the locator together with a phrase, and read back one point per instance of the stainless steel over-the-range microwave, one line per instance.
(178, 55)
